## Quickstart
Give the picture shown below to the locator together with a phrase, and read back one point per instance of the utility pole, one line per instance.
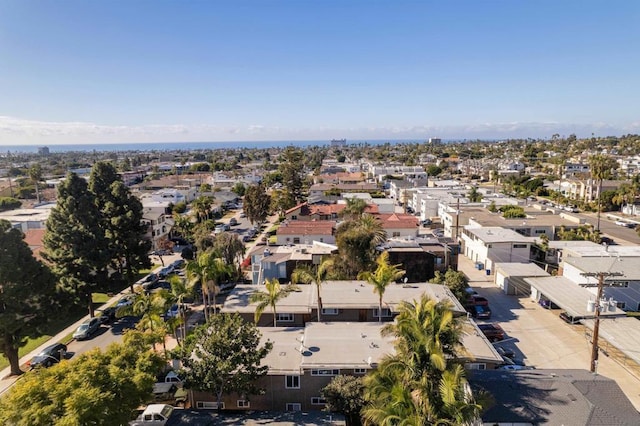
(457, 218)
(596, 325)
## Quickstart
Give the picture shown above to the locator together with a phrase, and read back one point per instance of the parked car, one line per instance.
(159, 285)
(548, 304)
(492, 331)
(481, 312)
(108, 315)
(87, 329)
(167, 270)
(125, 301)
(178, 264)
(475, 300)
(243, 215)
(246, 239)
(173, 311)
(233, 221)
(50, 355)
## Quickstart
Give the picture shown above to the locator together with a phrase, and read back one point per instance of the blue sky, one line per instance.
(143, 71)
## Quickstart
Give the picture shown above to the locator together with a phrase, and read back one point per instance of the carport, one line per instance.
(568, 295)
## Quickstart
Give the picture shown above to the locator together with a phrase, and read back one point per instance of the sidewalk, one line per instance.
(7, 381)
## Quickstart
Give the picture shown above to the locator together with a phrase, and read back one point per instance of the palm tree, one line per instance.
(208, 270)
(179, 290)
(35, 174)
(372, 225)
(308, 274)
(601, 166)
(202, 207)
(382, 277)
(474, 195)
(355, 207)
(423, 383)
(275, 292)
(625, 194)
(149, 307)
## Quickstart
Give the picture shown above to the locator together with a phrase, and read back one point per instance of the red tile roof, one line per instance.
(301, 227)
(397, 221)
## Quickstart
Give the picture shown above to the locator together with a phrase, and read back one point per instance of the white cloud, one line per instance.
(14, 131)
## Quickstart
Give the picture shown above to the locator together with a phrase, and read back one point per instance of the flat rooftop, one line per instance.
(519, 269)
(496, 234)
(360, 295)
(568, 295)
(628, 267)
(297, 302)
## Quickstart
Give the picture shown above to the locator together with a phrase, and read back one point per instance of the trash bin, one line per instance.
(480, 266)
(488, 271)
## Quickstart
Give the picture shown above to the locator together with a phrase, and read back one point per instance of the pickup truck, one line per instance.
(493, 332)
(154, 415)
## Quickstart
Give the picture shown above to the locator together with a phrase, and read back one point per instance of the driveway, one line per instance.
(540, 338)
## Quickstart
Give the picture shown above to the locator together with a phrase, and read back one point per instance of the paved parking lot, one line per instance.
(540, 338)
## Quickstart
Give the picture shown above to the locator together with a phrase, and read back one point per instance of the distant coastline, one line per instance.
(185, 146)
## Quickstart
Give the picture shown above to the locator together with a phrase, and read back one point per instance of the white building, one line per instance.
(489, 245)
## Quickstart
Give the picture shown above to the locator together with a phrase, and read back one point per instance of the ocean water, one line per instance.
(186, 146)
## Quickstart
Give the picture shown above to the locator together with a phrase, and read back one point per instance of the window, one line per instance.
(329, 311)
(294, 217)
(386, 313)
(540, 231)
(296, 240)
(318, 400)
(359, 371)
(209, 405)
(293, 406)
(292, 382)
(519, 246)
(475, 366)
(242, 403)
(284, 317)
(333, 372)
(395, 234)
(621, 305)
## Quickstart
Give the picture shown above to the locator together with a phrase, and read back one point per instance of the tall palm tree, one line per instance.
(35, 174)
(355, 207)
(208, 270)
(308, 274)
(371, 224)
(381, 278)
(179, 291)
(601, 167)
(423, 383)
(275, 292)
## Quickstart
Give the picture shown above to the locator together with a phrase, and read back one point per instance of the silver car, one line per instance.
(87, 329)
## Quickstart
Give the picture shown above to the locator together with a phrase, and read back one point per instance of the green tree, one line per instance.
(384, 275)
(98, 388)
(256, 203)
(179, 291)
(27, 294)
(626, 194)
(227, 245)
(314, 274)
(273, 294)
(291, 168)
(121, 219)
(355, 208)
(357, 241)
(474, 195)
(149, 307)
(183, 225)
(433, 170)
(207, 270)
(423, 383)
(202, 207)
(9, 203)
(35, 174)
(345, 395)
(601, 168)
(74, 242)
(225, 356)
(239, 188)
(456, 281)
